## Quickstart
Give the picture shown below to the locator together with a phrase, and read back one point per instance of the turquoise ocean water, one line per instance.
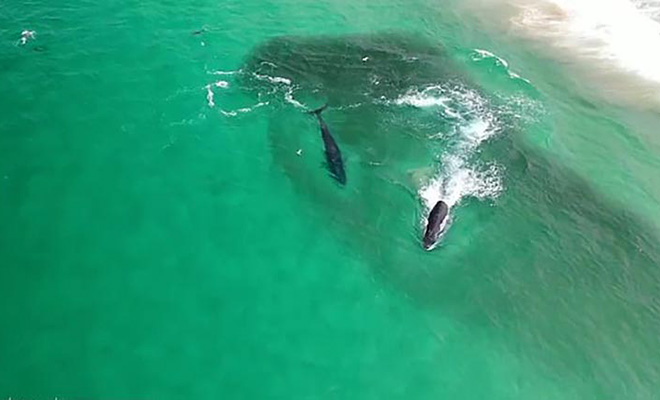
(168, 228)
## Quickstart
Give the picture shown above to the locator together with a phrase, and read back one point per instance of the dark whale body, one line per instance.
(434, 224)
(332, 152)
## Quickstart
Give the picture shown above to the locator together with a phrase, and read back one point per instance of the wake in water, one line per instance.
(210, 95)
(276, 81)
(279, 82)
(473, 123)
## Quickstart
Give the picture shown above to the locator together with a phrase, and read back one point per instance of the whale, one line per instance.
(333, 156)
(435, 224)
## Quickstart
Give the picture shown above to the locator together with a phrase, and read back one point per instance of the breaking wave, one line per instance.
(611, 42)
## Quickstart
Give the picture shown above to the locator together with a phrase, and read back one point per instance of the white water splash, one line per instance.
(650, 8)
(458, 180)
(455, 102)
(474, 124)
(434, 96)
(422, 100)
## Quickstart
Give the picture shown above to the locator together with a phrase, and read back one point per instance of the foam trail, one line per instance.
(221, 72)
(210, 96)
(280, 81)
(273, 79)
(457, 181)
(475, 123)
(288, 96)
(433, 96)
(234, 113)
(483, 54)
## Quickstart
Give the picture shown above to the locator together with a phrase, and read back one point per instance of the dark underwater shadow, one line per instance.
(565, 278)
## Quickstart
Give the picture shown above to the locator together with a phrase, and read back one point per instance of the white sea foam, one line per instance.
(458, 176)
(458, 180)
(273, 79)
(234, 113)
(422, 100)
(288, 96)
(210, 95)
(26, 36)
(279, 82)
(434, 96)
(349, 106)
(483, 54)
(612, 43)
(221, 72)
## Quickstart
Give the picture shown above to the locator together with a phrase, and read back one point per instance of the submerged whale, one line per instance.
(332, 152)
(434, 224)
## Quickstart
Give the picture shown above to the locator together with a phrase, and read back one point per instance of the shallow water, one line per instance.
(170, 229)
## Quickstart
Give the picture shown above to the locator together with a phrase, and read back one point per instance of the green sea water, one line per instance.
(168, 228)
